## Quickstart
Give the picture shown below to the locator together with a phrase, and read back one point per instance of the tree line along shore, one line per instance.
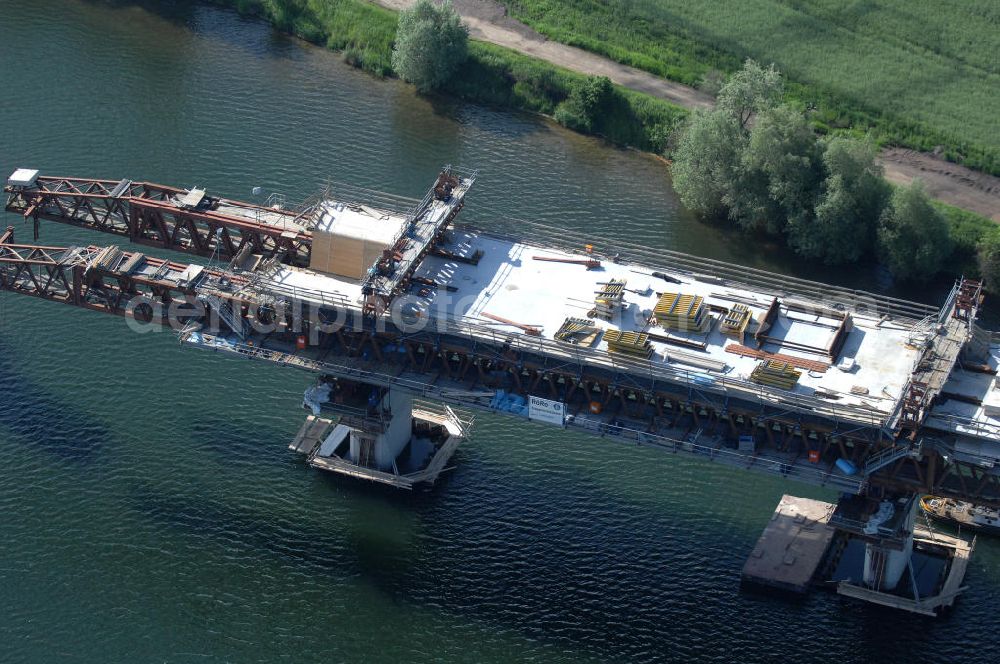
(837, 210)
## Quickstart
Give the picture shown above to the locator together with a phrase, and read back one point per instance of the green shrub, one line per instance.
(500, 77)
(989, 260)
(363, 31)
(585, 105)
(706, 162)
(913, 235)
(431, 43)
(852, 197)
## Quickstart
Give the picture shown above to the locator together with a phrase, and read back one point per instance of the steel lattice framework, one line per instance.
(438, 366)
(448, 363)
(149, 214)
(81, 277)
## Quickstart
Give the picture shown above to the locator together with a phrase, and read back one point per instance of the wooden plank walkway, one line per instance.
(443, 454)
(936, 365)
(953, 584)
(928, 606)
(310, 434)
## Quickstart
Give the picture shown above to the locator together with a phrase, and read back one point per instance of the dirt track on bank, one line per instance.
(488, 21)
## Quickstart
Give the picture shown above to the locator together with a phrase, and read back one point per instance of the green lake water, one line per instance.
(149, 508)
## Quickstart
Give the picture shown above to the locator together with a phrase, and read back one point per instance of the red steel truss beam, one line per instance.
(73, 276)
(80, 277)
(151, 214)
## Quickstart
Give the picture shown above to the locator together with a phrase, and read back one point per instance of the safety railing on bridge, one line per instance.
(625, 369)
(762, 463)
(709, 270)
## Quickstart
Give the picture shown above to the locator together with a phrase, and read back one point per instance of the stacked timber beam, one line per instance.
(635, 344)
(578, 331)
(776, 374)
(608, 301)
(687, 313)
(735, 322)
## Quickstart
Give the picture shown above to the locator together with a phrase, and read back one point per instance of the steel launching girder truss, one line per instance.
(71, 275)
(156, 215)
(80, 277)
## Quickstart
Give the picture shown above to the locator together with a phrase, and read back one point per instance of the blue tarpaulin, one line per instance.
(509, 403)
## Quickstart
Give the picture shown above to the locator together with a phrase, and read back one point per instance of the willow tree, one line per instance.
(852, 197)
(780, 172)
(749, 91)
(706, 162)
(913, 236)
(431, 42)
(989, 260)
(710, 168)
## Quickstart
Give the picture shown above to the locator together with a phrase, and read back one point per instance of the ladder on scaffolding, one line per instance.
(890, 455)
(225, 310)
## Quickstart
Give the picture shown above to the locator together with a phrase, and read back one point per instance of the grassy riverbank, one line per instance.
(497, 76)
(874, 68)
(492, 75)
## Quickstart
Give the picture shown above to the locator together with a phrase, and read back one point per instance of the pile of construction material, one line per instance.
(776, 374)
(685, 313)
(578, 331)
(735, 322)
(635, 344)
(797, 362)
(106, 259)
(608, 301)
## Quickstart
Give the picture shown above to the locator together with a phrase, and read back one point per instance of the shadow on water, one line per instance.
(36, 419)
(477, 116)
(224, 25)
(235, 441)
(603, 571)
(357, 546)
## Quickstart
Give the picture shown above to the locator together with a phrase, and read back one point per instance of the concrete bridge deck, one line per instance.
(448, 310)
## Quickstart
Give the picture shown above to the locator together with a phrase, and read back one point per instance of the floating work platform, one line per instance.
(955, 549)
(435, 437)
(792, 546)
(802, 547)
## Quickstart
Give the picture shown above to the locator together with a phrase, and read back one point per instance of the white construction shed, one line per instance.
(348, 240)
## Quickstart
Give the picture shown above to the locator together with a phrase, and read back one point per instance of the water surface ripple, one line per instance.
(149, 509)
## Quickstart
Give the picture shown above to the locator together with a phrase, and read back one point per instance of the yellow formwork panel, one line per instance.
(736, 320)
(681, 312)
(776, 374)
(630, 343)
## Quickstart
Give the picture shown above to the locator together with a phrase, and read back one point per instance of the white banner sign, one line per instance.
(543, 410)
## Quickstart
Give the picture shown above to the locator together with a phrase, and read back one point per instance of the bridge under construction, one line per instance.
(411, 322)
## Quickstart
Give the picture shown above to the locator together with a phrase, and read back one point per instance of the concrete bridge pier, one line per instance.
(378, 449)
(884, 566)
